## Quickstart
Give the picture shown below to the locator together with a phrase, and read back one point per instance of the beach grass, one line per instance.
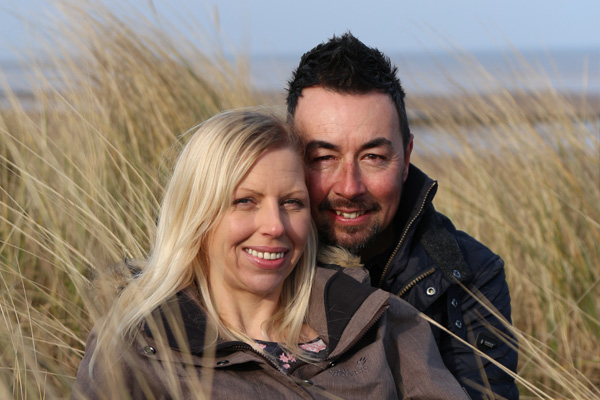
(84, 159)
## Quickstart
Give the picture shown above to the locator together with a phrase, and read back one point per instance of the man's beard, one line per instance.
(355, 245)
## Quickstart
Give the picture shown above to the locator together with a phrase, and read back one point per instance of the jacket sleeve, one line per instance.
(478, 324)
(113, 377)
(85, 386)
(414, 358)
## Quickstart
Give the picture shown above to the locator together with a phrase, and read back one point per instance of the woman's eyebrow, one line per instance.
(246, 191)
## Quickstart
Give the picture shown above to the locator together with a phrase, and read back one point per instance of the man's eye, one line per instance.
(375, 157)
(319, 159)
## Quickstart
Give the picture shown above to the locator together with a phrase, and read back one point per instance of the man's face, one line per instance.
(355, 161)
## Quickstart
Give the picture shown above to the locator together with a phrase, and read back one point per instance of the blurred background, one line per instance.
(96, 98)
(557, 37)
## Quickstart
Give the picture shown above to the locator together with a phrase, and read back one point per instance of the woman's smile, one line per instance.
(266, 255)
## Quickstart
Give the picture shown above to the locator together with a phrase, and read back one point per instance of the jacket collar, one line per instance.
(404, 267)
(417, 195)
(180, 320)
(341, 306)
(417, 199)
(335, 301)
(418, 192)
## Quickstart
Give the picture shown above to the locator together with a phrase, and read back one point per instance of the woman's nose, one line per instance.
(271, 222)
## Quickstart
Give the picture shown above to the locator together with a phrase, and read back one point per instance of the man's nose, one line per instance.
(271, 221)
(350, 183)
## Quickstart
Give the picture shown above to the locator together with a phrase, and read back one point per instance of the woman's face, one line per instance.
(259, 239)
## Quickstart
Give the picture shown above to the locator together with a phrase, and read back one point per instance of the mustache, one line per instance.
(360, 204)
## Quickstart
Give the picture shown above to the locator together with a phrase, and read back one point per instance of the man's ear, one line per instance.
(407, 154)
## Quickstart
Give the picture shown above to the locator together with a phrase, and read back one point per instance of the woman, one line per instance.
(230, 303)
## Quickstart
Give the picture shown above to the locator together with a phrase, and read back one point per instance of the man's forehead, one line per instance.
(325, 119)
(318, 106)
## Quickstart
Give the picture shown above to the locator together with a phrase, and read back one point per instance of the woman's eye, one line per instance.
(294, 203)
(242, 201)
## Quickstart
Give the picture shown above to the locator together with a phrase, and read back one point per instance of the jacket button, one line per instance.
(456, 274)
(331, 364)
(431, 291)
(454, 303)
(307, 382)
(222, 362)
(149, 350)
(458, 324)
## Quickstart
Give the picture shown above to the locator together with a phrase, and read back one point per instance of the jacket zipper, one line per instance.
(374, 320)
(288, 374)
(414, 281)
(387, 265)
(269, 361)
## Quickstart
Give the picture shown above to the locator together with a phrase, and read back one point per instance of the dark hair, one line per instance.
(344, 64)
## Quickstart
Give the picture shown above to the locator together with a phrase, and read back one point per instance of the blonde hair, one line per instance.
(214, 161)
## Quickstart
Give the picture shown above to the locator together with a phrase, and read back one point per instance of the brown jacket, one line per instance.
(379, 348)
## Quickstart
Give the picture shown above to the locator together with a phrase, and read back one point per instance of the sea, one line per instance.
(574, 71)
(570, 70)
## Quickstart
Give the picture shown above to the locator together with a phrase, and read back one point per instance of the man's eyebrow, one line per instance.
(321, 144)
(377, 142)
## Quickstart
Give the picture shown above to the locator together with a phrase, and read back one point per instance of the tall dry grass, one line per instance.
(521, 172)
(82, 167)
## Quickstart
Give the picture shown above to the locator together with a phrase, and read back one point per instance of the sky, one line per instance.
(280, 27)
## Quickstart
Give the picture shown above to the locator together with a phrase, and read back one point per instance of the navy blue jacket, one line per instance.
(430, 266)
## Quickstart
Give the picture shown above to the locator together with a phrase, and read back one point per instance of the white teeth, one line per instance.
(265, 255)
(350, 215)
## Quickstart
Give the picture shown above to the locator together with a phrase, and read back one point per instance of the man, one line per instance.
(348, 105)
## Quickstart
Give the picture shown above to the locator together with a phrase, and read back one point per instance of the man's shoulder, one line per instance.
(476, 254)
(485, 266)
(480, 258)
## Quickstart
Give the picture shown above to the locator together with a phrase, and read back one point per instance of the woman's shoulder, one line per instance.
(337, 267)
(326, 272)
